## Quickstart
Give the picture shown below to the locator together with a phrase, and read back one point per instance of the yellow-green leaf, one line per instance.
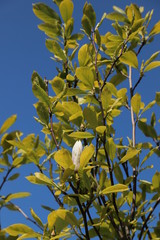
(56, 49)
(8, 123)
(17, 195)
(81, 135)
(63, 158)
(132, 152)
(156, 181)
(90, 13)
(66, 9)
(114, 189)
(41, 94)
(45, 13)
(111, 148)
(156, 29)
(136, 103)
(85, 75)
(154, 55)
(148, 130)
(16, 229)
(36, 218)
(86, 25)
(100, 129)
(86, 155)
(152, 65)
(130, 59)
(83, 55)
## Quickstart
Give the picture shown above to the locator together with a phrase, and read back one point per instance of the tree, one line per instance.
(99, 188)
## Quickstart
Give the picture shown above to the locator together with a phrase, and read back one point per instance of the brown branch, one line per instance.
(96, 230)
(5, 177)
(147, 219)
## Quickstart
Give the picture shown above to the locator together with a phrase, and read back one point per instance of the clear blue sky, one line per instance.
(22, 50)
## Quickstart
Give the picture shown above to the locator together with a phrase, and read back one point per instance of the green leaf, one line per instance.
(130, 59)
(83, 55)
(116, 16)
(56, 49)
(154, 55)
(36, 218)
(16, 229)
(38, 80)
(17, 195)
(136, 103)
(111, 148)
(119, 10)
(156, 181)
(132, 152)
(115, 188)
(90, 13)
(41, 94)
(86, 75)
(63, 158)
(148, 130)
(90, 116)
(13, 177)
(118, 173)
(156, 29)
(45, 13)
(57, 85)
(30, 236)
(100, 129)
(152, 65)
(51, 30)
(86, 155)
(69, 27)
(86, 25)
(8, 123)
(81, 135)
(76, 118)
(158, 98)
(150, 105)
(66, 9)
(60, 219)
(42, 111)
(106, 97)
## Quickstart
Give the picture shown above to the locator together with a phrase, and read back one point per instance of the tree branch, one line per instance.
(5, 177)
(147, 219)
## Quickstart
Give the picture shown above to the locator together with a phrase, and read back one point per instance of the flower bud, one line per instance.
(76, 153)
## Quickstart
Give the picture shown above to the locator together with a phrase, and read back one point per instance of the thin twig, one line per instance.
(25, 215)
(133, 144)
(96, 230)
(5, 177)
(147, 219)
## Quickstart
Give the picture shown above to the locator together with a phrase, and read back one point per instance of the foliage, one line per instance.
(102, 192)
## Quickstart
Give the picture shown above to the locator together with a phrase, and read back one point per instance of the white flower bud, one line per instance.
(76, 153)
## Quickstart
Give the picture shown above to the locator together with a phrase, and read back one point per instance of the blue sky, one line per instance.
(22, 50)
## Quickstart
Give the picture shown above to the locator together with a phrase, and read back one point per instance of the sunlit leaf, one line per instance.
(66, 9)
(86, 155)
(8, 123)
(152, 65)
(86, 75)
(132, 152)
(83, 55)
(16, 229)
(17, 195)
(100, 129)
(154, 55)
(86, 25)
(81, 135)
(45, 13)
(63, 158)
(41, 94)
(130, 59)
(54, 47)
(155, 30)
(111, 148)
(136, 103)
(36, 218)
(90, 13)
(115, 188)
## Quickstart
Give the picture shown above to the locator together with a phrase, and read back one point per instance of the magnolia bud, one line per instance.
(76, 153)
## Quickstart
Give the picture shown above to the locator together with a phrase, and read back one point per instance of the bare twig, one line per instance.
(25, 215)
(133, 144)
(96, 230)
(5, 177)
